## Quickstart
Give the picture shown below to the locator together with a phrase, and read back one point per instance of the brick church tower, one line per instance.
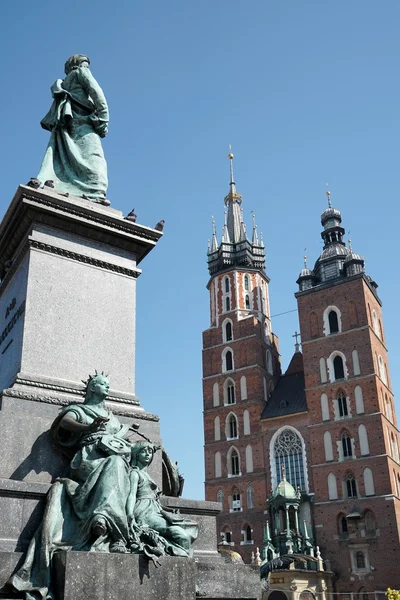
(353, 438)
(309, 457)
(240, 367)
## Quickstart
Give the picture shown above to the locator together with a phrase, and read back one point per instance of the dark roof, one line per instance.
(296, 364)
(288, 397)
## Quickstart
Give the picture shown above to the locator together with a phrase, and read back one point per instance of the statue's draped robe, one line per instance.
(99, 485)
(178, 534)
(74, 158)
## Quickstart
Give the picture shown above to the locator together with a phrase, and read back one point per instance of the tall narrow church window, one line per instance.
(226, 285)
(343, 527)
(228, 361)
(360, 560)
(232, 429)
(338, 367)
(220, 496)
(230, 393)
(236, 502)
(346, 445)
(288, 452)
(351, 487)
(247, 301)
(227, 304)
(246, 283)
(248, 532)
(342, 405)
(228, 331)
(235, 463)
(333, 322)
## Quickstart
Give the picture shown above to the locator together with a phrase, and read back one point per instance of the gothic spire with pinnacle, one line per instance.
(235, 247)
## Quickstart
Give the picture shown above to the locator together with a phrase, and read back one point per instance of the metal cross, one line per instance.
(296, 335)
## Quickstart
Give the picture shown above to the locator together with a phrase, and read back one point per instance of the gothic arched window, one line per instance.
(346, 445)
(226, 285)
(288, 452)
(227, 303)
(248, 534)
(246, 283)
(338, 367)
(343, 527)
(333, 322)
(228, 360)
(247, 301)
(229, 392)
(234, 463)
(351, 487)
(342, 405)
(228, 331)
(220, 496)
(232, 427)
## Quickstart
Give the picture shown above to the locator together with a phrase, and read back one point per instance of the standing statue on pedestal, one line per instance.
(108, 503)
(74, 162)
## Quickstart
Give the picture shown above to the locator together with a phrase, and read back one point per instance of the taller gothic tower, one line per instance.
(353, 435)
(240, 366)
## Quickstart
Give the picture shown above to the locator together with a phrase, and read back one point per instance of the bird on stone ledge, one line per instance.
(132, 216)
(160, 225)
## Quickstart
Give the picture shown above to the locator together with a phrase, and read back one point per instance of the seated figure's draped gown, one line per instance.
(99, 485)
(177, 534)
(74, 158)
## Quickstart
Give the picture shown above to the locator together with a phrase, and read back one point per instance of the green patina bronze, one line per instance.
(109, 502)
(78, 118)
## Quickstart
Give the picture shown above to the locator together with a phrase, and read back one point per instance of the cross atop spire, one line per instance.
(296, 345)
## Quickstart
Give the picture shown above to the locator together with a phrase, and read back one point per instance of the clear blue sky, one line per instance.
(307, 92)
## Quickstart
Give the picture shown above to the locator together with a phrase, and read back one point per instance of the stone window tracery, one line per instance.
(351, 487)
(346, 445)
(288, 452)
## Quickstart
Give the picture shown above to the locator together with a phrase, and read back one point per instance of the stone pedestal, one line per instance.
(123, 577)
(68, 270)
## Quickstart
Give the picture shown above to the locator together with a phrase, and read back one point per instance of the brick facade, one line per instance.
(344, 416)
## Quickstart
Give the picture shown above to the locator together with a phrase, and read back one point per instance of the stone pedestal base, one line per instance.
(98, 576)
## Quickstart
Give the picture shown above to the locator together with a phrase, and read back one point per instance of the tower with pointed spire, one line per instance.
(241, 363)
(310, 456)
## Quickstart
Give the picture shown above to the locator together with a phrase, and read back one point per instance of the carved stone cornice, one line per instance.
(60, 401)
(83, 258)
(73, 215)
(70, 390)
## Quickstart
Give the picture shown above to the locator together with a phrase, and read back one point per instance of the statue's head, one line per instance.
(76, 61)
(143, 453)
(97, 386)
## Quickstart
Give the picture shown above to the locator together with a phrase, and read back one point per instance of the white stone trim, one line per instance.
(326, 328)
(331, 370)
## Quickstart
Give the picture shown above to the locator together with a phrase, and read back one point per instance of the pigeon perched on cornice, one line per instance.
(132, 216)
(160, 225)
